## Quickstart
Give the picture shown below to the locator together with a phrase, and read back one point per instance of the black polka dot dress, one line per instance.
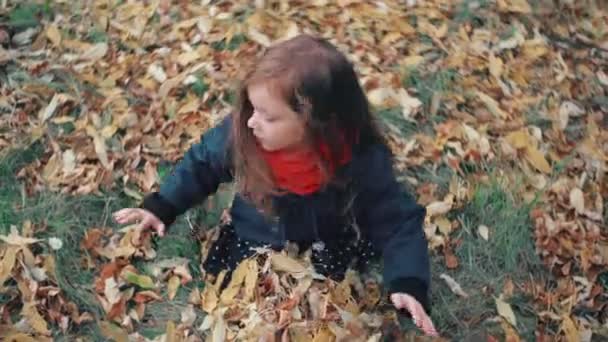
(330, 258)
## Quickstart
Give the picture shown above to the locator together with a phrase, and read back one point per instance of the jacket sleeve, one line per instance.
(203, 168)
(394, 224)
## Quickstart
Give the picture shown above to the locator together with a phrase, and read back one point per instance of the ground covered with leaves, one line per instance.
(496, 112)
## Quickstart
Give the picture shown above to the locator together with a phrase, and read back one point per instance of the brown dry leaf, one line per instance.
(9, 257)
(17, 240)
(451, 261)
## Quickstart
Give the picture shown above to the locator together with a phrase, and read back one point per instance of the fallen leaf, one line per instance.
(34, 319)
(53, 34)
(50, 109)
(495, 65)
(451, 261)
(157, 73)
(172, 286)
(438, 208)
(515, 6)
(505, 311)
(453, 285)
(188, 316)
(17, 240)
(492, 105)
(113, 332)
(143, 281)
(8, 262)
(602, 77)
(96, 52)
(568, 327)
(55, 243)
(483, 231)
(577, 200)
(537, 159)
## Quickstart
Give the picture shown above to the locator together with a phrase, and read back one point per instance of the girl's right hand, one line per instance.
(142, 216)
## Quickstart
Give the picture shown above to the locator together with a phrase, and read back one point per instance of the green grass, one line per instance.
(68, 217)
(27, 14)
(508, 253)
(427, 85)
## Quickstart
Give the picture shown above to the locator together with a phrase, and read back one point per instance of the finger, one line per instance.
(399, 301)
(132, 216)
(422, 320)
(121, 213)
(160, 229)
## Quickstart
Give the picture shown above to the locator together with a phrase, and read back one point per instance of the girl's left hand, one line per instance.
(419, 316)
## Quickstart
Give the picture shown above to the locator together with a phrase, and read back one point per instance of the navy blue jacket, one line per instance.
(385, 214)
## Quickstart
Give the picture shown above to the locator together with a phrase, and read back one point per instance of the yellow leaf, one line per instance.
(518, 139)
(173, 286)
(533, 49)
(188, 57)
(8, 262)
(34, 319)
(190, 106)
(510, 333)
(251, 279)
(282, 263)
(444, 225)
(100, 146)
(492, 105)
(505, 311)
(411, 61)
(18, 337)
(570, 330)
(324, 335)
(439, 207)
(233, 288)
(17, 240)
(515, 6)
(53, 34)
(113, 332)
(495, 65)
(209, 299)
(537, 159)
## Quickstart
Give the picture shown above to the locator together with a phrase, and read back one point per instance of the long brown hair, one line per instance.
(319, 83)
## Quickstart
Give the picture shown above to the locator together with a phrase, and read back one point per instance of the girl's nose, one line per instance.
(251, 123)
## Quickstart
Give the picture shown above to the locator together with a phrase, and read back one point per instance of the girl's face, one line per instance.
(274, 124)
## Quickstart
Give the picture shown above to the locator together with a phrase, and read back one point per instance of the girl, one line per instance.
(311, 167)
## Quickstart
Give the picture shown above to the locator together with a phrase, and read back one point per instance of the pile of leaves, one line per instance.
(29, 286)
(514, 88)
